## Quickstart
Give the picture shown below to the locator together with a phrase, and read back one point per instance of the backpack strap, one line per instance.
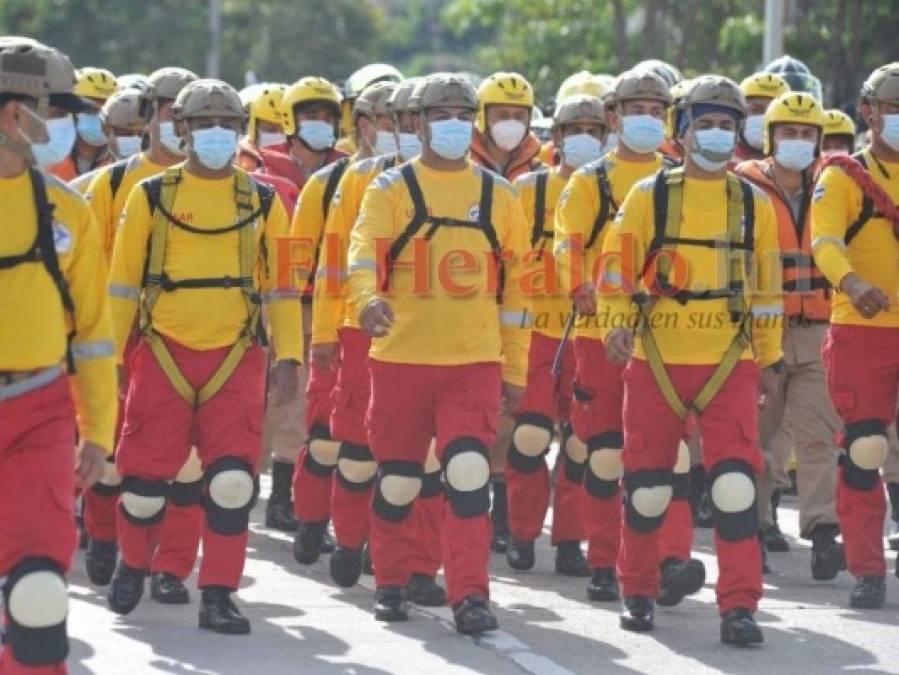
(485, 218)
(538, 231)
(419, 217)
(340, 167)
(117, 173)
(607, 205)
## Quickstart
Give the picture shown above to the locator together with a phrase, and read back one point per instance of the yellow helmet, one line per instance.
(764, 85)
(96, 83)
(838, 123)
(584, 83)
(503, 89)
(308, 90)
(794, 107)
(265, 106)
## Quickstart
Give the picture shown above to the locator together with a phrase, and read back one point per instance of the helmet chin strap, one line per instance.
(19, 148)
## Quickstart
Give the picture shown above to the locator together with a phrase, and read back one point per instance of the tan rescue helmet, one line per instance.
(374, 99)
(208, 98)
(449, 91)
(122, 109)
(715, 90)
(882, 86)
(640, 85)
(398, 103)
(29, 68)
(579, 108)
(167, 83)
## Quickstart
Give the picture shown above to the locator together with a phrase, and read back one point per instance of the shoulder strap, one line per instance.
(266, 195)
(606, 203)
(116, 174)
(485, 218)
(334, 177)
(47, 250)
(539, 207)
(420, 214)
(389, 163)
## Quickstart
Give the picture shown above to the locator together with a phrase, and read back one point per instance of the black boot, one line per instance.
(828, 556)
(346, 566)
(893, 536)
(391, 604)
(499, 516)
(520, 554)
(775, 541)
(680, 578)
(793, 490)
(570, 560)
(328, 543)
(126, 589)
(307, 543)
(279, 510)
(100, 561)
(473, 616)
(638, 614)
(424, 590)
(603, 587)
(219, 614)
(168, 589)
(870, 592)
(738, 627)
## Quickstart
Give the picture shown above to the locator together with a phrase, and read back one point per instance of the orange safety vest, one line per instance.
(525, 159)
(806, 291)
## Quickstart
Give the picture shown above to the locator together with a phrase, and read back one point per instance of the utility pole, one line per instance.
(215, 39)
(774, 30)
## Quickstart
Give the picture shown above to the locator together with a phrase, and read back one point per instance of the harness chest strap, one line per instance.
(740, 209)
(156, 281)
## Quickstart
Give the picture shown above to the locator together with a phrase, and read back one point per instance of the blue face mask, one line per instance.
(61, 134)
(890, 132)
(214, 147)
(410, 146)
(127, 146)
(611, 143)
(642, 133)
(581, 149)
(317, 134)
(91, 130)
(451, 139)
(169, 139)
(713, 148)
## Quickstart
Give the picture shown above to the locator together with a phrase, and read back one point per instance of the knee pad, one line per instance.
(867, 449)
(321, 451)
(186, 494)
(732, 492)
(466, 467)
(230, 494)
(192, 471)
(110, 482)
(681, 482)
(399, 483)
(604, 468)
(37, 605)
(647, 495)
(143, 501)
(530, 442)
(575, 455)
(356, 467)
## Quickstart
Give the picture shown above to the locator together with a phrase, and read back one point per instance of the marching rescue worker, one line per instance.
(336, 327)
(310, 113)
(197, 254)
(91, 147)
(663, 259)
(441, 354)
(759, 90)
(839, 133)
(796, 74)
(793, 135)
(854, 225)
(182, 524)
(579, 129)
(355, 84)
(504, 143)
(265, 126)
(636, 111)
(49, 262)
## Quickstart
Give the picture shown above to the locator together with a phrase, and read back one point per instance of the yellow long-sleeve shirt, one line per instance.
(33, 326)
(205, 318)
(873, 254)
(455, 318)
(332, 308)
(107, 207)
(700, 331)
(551, 306)
(577, 210)
(308, 223)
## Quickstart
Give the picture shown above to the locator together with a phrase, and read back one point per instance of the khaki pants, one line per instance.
(891, 466)
(500, 448)
(803, 402)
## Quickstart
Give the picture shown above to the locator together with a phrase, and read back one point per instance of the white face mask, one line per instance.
(581, 149)
(508, 134)
(451, 138)
(754, 130)
(410, 146)
(265, 139)
(890, 132)
(126, 146)
(61, 133)
(795, 154)
(385, 144)
(169, 139)
(642, 133)
(713, 148)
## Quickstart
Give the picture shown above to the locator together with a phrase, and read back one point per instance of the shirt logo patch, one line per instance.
(335, 200)
(819, 192)
(474, 212)
(62, 238)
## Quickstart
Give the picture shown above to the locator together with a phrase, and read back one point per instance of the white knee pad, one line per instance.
(141, 507)
(468, 471)
(466, 468)
(531, 440)
(576, 449)
(324, 451)
(36, 606)
(732, 492)
(231, 489)
(869, 452)
(605, 464)
(357, 472)
(38, 600)
(400, 490)
(651, 502)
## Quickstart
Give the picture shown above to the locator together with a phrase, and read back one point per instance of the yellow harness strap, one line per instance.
(737, 303)
(244, 196)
